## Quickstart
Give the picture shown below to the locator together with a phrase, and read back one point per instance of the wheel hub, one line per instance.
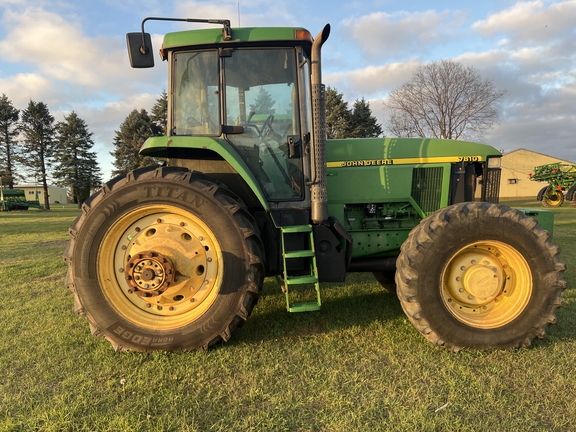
(481, 281)
(486, 284)
(149, 273)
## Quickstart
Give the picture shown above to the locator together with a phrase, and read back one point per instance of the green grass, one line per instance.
(357, 365)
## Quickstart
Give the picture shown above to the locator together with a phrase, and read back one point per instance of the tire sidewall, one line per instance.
(125, 198)
(457, 235)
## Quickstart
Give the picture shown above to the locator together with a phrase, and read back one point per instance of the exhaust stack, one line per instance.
(319, 197)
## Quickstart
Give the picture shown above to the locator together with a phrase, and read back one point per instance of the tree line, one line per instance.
(35, 146)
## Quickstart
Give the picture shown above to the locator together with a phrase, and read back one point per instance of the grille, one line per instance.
(427, 188)
(491, 185)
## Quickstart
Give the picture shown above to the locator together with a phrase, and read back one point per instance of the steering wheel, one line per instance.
(267, 129)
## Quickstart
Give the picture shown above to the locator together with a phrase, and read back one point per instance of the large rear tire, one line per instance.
(480, 275)
(164, 259)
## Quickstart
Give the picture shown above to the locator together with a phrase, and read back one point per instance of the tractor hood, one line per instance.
(401, 151)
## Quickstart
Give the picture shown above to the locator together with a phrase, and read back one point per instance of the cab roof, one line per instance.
(294, 35)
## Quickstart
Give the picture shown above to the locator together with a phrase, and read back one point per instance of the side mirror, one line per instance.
(140, 50)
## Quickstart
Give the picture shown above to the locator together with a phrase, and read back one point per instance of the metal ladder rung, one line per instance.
(299, 254)
(297, 229)
(304, 307)
(300, 280)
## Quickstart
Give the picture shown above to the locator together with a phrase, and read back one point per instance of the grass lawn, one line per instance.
(357, 365)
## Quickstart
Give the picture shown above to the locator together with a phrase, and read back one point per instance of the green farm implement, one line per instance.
(173, 257)
(561, 180)
(15, 199)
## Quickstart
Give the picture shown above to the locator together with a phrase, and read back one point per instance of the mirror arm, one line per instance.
(226, 29)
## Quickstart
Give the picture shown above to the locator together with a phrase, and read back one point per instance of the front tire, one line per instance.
(552, 197)
(164, 259)
(480, 275)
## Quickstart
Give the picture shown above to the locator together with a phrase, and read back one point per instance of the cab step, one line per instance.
(308, 253)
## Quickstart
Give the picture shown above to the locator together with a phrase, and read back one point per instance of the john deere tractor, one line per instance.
(173, 257)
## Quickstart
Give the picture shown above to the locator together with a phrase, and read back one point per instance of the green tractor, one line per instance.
(174, 257)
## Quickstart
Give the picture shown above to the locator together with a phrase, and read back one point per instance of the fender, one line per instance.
(541, 193)
(202, 147)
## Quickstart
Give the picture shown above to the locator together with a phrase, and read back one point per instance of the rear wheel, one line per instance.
(164, 259)
(571, 195)
(552, 197)
(480, 275)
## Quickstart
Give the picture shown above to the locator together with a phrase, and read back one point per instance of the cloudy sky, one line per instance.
(71, 55)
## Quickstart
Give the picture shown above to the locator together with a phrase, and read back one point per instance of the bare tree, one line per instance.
(444, 99)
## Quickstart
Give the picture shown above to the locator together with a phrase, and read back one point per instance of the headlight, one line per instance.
(494, 162)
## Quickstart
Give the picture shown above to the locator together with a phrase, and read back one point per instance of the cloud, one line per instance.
(22, 87)
(254, 13)
(531, 22)
(372, 80)
(382, 34)
(55, 46)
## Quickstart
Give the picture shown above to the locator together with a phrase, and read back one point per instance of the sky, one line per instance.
(72, 56)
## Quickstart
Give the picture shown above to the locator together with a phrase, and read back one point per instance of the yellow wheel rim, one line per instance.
(553, 198)
(486, 284)
(160, 267)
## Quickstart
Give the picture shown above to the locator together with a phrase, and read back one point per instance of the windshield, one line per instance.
(196, 109)
(261, 96)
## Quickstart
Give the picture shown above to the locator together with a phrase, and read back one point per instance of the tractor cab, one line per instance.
(256, 107)
(248, 91)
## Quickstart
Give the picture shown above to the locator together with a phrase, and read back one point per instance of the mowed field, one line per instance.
(356, 365)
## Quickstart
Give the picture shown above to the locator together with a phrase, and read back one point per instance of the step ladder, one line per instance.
(311, 278)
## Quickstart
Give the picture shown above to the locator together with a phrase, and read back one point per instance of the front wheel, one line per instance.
(480, 275)
(164, 259)
(552, 197)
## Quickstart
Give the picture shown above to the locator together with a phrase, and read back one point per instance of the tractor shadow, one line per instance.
(358, 302)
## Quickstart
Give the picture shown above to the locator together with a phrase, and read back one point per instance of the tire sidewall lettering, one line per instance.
(124, 198)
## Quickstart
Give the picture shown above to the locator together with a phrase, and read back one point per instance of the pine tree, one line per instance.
(134, 130)
(338, 116)
(363, 123)
(9, 129)
(264, 104)
(159, 113)
(39, 139)
(76, 165)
